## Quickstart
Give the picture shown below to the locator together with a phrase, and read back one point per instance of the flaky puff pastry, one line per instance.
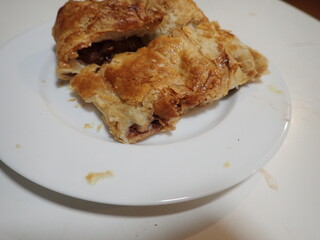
(79, 24)
(144, 92)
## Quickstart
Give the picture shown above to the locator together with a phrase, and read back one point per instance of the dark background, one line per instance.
(312, 7)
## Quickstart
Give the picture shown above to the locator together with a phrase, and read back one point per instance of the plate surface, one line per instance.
(52, 138)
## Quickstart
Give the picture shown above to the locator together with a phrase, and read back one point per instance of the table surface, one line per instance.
(251, 210)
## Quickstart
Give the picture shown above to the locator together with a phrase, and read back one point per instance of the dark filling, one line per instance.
(134, 129)
(156, 124)
(102, 52)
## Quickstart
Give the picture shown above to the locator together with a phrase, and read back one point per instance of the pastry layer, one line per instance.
(81, 24)
(145, 63)
(144, 92)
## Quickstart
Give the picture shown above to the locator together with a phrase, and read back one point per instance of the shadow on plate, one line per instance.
(113, 210)
(196, 219)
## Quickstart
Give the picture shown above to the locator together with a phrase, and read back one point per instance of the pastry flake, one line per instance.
(155, 71)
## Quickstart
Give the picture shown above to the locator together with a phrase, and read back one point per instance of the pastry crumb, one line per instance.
(18, 146)
(94, 177)
(274, 89)
(88, 126)
(227, 164)
(99, 127)
(271, 182)
(72, 100)
(252, 14)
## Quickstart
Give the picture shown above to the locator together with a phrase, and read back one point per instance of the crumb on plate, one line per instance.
(274, 89)
(99, 127)
(94, 177)
(88, 126)
(227, 164)
(18, 146)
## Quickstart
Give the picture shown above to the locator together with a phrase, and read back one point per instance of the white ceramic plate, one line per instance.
(44, 139)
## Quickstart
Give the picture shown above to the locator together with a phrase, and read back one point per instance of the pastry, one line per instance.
(145, 76)
(90, 31)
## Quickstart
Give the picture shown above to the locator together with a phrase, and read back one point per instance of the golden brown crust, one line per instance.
(147, 91)
(80, 23)
(185, 61)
